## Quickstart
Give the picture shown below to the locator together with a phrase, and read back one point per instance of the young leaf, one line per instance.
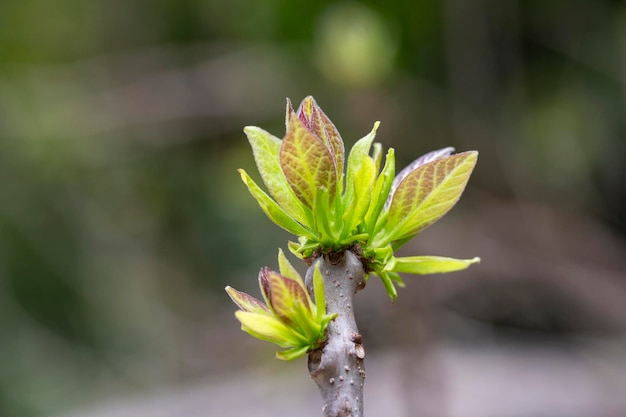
(431, 264)
(285, 267)
(323, 220)
(285, 294)
(359, 182)
(269, 328)
(307, 163)
(377, 154)
(425, 195)
(385, 277)
(381, 190)
(246, 302)
(422, 160)
(316, 120)
(266, 148)
(291, 354)
(318, 288)
(272, 209)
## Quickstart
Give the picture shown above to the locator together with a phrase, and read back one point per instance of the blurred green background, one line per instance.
(122, 216)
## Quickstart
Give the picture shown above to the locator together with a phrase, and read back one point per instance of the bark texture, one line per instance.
(338, 367)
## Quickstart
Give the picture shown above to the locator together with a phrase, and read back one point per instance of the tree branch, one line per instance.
(338, 368)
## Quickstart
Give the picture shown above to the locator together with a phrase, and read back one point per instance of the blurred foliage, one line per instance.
(121, 213)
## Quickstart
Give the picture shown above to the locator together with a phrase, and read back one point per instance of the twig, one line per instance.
(338, 367)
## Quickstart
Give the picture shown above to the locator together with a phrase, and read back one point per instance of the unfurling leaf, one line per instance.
(360, 179)
(320, 125)
(425, 195)
(288, 318)
(307, 163)
(269, 328)
(381, 190)
(363, 208)
(266, 149)
(285, 267)
(431, 264)
(272, 210)
(422, 160)
(285, 294)
(246, 302)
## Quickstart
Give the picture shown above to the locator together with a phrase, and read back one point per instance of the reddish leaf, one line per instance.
(285, 293)
(246, 302)
(317, 122)
(307, 163)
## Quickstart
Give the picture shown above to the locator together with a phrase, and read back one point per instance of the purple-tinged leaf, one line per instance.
(319, 124)
(425, 195)
(422, 160)
(285, 294)
(264, 284)
(307, 163)
(246, 302)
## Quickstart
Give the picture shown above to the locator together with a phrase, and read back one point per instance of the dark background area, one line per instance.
(122, 216)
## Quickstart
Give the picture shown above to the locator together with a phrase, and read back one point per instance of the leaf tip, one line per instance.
(248, 130)
(473, 155)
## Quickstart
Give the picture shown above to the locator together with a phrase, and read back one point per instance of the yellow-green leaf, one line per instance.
(272, 209)
(269, 328)
(318, 288)
(266, 148)
(380, 192)
(425, 195)
(307, 163)
(431, 264)
(291, 354)
(360, 179)
(286, 268)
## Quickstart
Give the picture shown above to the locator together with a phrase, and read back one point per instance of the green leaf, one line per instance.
(320, 296)
(381, 191)
(305, 323)
(286, 268)
(431, 264)
(291, 354)
(269, 328)
(247, 302)
(323, 219)
(272, 209)
(425, 195)
(385, 277)
(307, 163)
(266, 148)
(377, 154)
(360, 179)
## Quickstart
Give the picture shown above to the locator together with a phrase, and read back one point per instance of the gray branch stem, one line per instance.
(337, 367)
